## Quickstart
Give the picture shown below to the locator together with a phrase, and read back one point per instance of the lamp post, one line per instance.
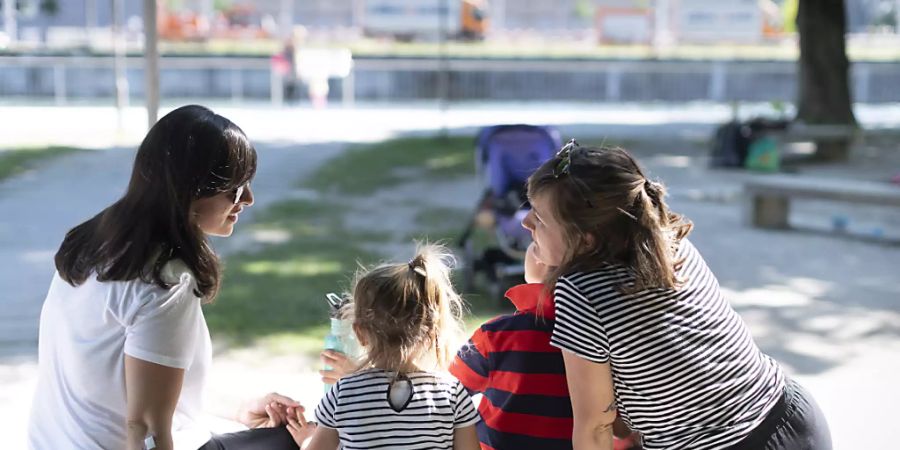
(119, 60)
(9, 20)
(443, 79)
(151, 62)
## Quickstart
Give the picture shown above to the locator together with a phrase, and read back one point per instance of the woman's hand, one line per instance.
(340, 365)
(268, 412)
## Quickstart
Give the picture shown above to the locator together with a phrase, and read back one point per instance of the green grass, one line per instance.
(274, 297)
(280, 289)
(17, 161)
(438, 224)
(366, 168)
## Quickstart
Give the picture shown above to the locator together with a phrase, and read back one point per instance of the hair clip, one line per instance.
(416, 268)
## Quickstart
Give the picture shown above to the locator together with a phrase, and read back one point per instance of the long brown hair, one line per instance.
(603, 193)
(408, 312)
(190, 153)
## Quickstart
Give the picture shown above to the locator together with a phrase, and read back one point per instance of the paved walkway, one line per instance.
(823, 305)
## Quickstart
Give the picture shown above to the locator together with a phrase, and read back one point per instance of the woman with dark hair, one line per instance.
(646, 332)
(124, 347)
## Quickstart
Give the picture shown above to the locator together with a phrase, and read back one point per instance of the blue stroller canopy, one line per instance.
(509, 154)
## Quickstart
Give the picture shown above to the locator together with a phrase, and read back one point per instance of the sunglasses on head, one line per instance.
(565, 158)
(563, 167)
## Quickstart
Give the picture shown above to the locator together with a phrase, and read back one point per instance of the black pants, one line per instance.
(276, 438)
(795, 423)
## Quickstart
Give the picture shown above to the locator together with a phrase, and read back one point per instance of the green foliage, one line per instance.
(789, 10)
(49, 7)
(780, 107)
(584, 9)
(221, 5)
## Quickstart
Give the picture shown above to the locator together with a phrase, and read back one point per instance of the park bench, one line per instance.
(819, 135)
(768, 197)
(800, 132)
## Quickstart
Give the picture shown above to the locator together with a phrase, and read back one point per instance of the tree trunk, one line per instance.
(824, 82)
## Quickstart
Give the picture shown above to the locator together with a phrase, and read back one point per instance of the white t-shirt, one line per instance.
(85, 333)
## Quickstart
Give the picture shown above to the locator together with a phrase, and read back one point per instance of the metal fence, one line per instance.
(391, 79)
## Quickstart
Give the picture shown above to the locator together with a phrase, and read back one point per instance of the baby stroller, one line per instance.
(505, 155)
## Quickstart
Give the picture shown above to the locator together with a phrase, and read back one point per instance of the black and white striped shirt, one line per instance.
(357, 407)
(686, 371)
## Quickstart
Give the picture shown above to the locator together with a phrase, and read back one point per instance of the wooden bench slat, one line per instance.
(824, 188)
(768, 197)
(800, 132)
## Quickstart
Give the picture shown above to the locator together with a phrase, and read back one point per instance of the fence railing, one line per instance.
(385, 79)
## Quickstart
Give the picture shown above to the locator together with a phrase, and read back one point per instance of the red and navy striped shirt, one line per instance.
(525, 402)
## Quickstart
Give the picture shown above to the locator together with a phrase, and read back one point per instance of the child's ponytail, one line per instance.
(409, 314)
(444, 304)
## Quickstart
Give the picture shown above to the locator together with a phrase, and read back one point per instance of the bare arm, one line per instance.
(465, 438)
(152, 392)
(320, 438)
(593, 402)
(323, 439)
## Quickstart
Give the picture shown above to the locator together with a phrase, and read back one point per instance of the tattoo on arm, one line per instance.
(611, 407)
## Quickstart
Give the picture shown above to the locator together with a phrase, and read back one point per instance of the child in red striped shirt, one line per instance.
(509, 360)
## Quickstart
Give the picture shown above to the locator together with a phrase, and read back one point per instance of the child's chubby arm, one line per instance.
(341, 366)
(322, 438)
(471, 365)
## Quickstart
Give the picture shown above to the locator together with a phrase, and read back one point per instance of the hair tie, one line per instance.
(416, 268)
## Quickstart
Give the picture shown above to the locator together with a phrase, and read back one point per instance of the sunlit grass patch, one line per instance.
(16, 161)
(366, 168)
(280, 288)
(302, 267)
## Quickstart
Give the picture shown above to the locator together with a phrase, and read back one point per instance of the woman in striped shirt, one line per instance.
(644, 327)
(407, 318)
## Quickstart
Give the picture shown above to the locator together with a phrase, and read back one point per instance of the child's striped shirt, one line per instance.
(357, 407)
(510, 361)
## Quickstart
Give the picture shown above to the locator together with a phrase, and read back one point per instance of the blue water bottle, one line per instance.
(340, 335)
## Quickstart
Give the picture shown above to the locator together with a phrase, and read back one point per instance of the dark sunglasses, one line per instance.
(238, 192)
